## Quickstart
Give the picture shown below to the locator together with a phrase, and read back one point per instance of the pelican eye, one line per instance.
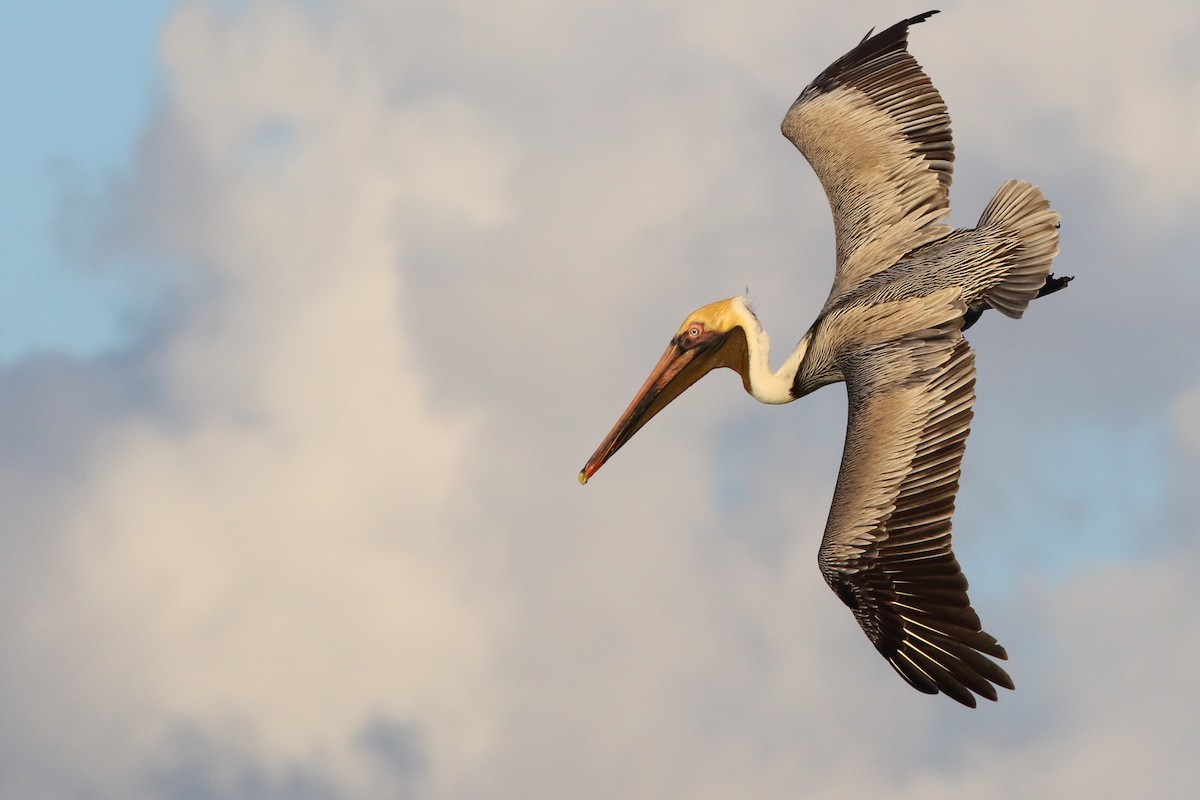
(691, 337)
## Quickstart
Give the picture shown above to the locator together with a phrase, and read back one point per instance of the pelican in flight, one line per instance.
(906, 286)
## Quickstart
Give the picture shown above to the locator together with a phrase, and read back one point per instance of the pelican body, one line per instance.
(906, 286)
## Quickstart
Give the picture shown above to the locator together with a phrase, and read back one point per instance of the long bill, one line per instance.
(675, 372)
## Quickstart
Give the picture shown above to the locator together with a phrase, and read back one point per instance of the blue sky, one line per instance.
(312, 312)
(81, 81)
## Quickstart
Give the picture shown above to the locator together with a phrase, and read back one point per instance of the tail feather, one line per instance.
(1020, 210)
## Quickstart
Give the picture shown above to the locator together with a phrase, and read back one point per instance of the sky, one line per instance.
(313, 309)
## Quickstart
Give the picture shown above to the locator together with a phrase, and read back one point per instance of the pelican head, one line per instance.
(711, 337)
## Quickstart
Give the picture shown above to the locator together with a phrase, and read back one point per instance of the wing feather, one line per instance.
(886, 550)
(877, 134)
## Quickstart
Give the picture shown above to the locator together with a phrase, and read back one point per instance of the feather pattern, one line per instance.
(886, 550)
(877, 134)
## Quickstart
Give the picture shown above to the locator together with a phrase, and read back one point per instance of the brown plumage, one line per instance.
(906, 286)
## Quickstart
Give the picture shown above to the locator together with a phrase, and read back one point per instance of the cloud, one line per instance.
(320, 535)
(1079, 87)
(1187, 418)
(275, 546)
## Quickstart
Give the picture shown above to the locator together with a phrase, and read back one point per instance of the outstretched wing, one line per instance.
(886, 550)
(877, 134)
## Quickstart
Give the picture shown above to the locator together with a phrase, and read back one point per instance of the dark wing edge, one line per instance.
(877, 133)
(869, 48)
(886, 550)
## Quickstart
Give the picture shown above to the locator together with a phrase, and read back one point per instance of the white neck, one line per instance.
(768, 386)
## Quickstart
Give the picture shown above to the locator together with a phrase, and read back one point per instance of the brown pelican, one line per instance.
(906, 286)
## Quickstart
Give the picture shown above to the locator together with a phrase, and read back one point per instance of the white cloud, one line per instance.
(1084, 87)
(432, 254)
(281, 550)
